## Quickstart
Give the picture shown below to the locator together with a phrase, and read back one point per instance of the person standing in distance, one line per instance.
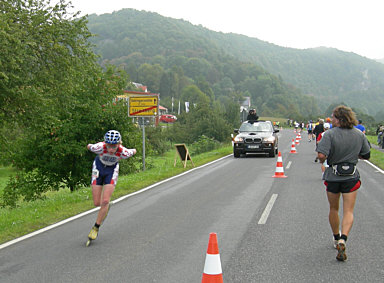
(342, 146)
(252, 116)
(105, 171)
(360, 126)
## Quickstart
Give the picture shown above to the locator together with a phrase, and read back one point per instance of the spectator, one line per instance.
(310, 130)
(380, 134)
(252, 116)
(317, 131)
(360, 126)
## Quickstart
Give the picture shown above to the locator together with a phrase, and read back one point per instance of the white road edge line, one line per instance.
(22, 238)
(374, 166)
(267, 210)
(288, 165)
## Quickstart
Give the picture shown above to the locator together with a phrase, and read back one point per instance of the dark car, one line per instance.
(256, 137)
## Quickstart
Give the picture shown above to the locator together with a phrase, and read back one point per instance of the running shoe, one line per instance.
(341, 254)
(335, 243)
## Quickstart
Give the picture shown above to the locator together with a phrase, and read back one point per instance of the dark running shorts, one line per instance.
(342, 187)
(104, 175)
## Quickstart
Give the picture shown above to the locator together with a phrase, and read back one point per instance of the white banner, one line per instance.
(187, 106)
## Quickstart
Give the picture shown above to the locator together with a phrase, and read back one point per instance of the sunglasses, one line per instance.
(112, 145)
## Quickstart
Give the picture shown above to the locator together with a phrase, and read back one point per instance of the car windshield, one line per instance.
(256, 127)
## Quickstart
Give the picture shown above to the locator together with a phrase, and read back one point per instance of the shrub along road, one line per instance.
(161, 234)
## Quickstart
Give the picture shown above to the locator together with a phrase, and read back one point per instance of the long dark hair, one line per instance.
(346, 116)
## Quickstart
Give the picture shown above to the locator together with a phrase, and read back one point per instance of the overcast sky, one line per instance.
(348, 25)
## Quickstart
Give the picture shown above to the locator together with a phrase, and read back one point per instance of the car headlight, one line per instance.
(270, 139)
(239, 139)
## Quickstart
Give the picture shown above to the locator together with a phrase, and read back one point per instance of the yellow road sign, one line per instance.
(143, 101)
(144, 105)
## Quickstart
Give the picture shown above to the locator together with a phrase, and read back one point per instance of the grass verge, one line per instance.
(377, 156)
(57, 206)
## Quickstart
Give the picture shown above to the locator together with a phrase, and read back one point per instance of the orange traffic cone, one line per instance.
(297, 140)
(299, 135)
(212, 268)
(293, 148)
(279, 173)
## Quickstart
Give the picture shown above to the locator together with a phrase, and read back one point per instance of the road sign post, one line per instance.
(143, 105)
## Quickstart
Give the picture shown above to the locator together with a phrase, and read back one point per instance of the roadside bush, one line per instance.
(26, 186)
(204, 144)
(157, 140)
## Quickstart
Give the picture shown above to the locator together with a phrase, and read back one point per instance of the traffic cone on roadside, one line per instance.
(279, 172)
(293, 148)
(212, 267)
(297, 140)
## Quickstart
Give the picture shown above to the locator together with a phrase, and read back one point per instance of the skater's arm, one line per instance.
(126, 153)
(96, 148)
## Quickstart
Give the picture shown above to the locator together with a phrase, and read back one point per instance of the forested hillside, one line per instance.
(327, 73)
(167, 55)
(232, 62)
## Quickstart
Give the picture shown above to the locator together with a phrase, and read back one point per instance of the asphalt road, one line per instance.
(161, 235)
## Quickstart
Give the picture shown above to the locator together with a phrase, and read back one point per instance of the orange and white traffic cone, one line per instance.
(299, 135)
(279, 172)
(212, 267)
(293, 148)
(297, 141)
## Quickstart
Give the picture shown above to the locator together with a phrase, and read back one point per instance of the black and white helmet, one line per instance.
(112, 137)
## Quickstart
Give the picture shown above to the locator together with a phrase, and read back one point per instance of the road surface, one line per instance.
(161, 234)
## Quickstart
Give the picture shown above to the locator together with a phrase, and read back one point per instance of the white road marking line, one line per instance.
(22, 238)
(267, 210)
(374, 166)
(288, 165)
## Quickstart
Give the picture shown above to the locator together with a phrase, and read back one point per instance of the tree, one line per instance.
(150, 75)
(55, 98)
(202, 119)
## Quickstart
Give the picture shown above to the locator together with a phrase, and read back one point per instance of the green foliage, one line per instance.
(56, 97)
(202, 119)
(174, 54)
(328, 74)
(204, 144)
(27, 186)
(157, 141)
(41, 47)
(232, 62)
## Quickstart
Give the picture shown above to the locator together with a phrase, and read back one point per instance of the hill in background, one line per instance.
(131, 38)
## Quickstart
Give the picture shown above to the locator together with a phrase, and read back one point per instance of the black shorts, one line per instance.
(342, 187)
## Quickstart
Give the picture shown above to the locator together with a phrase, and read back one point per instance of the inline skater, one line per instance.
(105, 170)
